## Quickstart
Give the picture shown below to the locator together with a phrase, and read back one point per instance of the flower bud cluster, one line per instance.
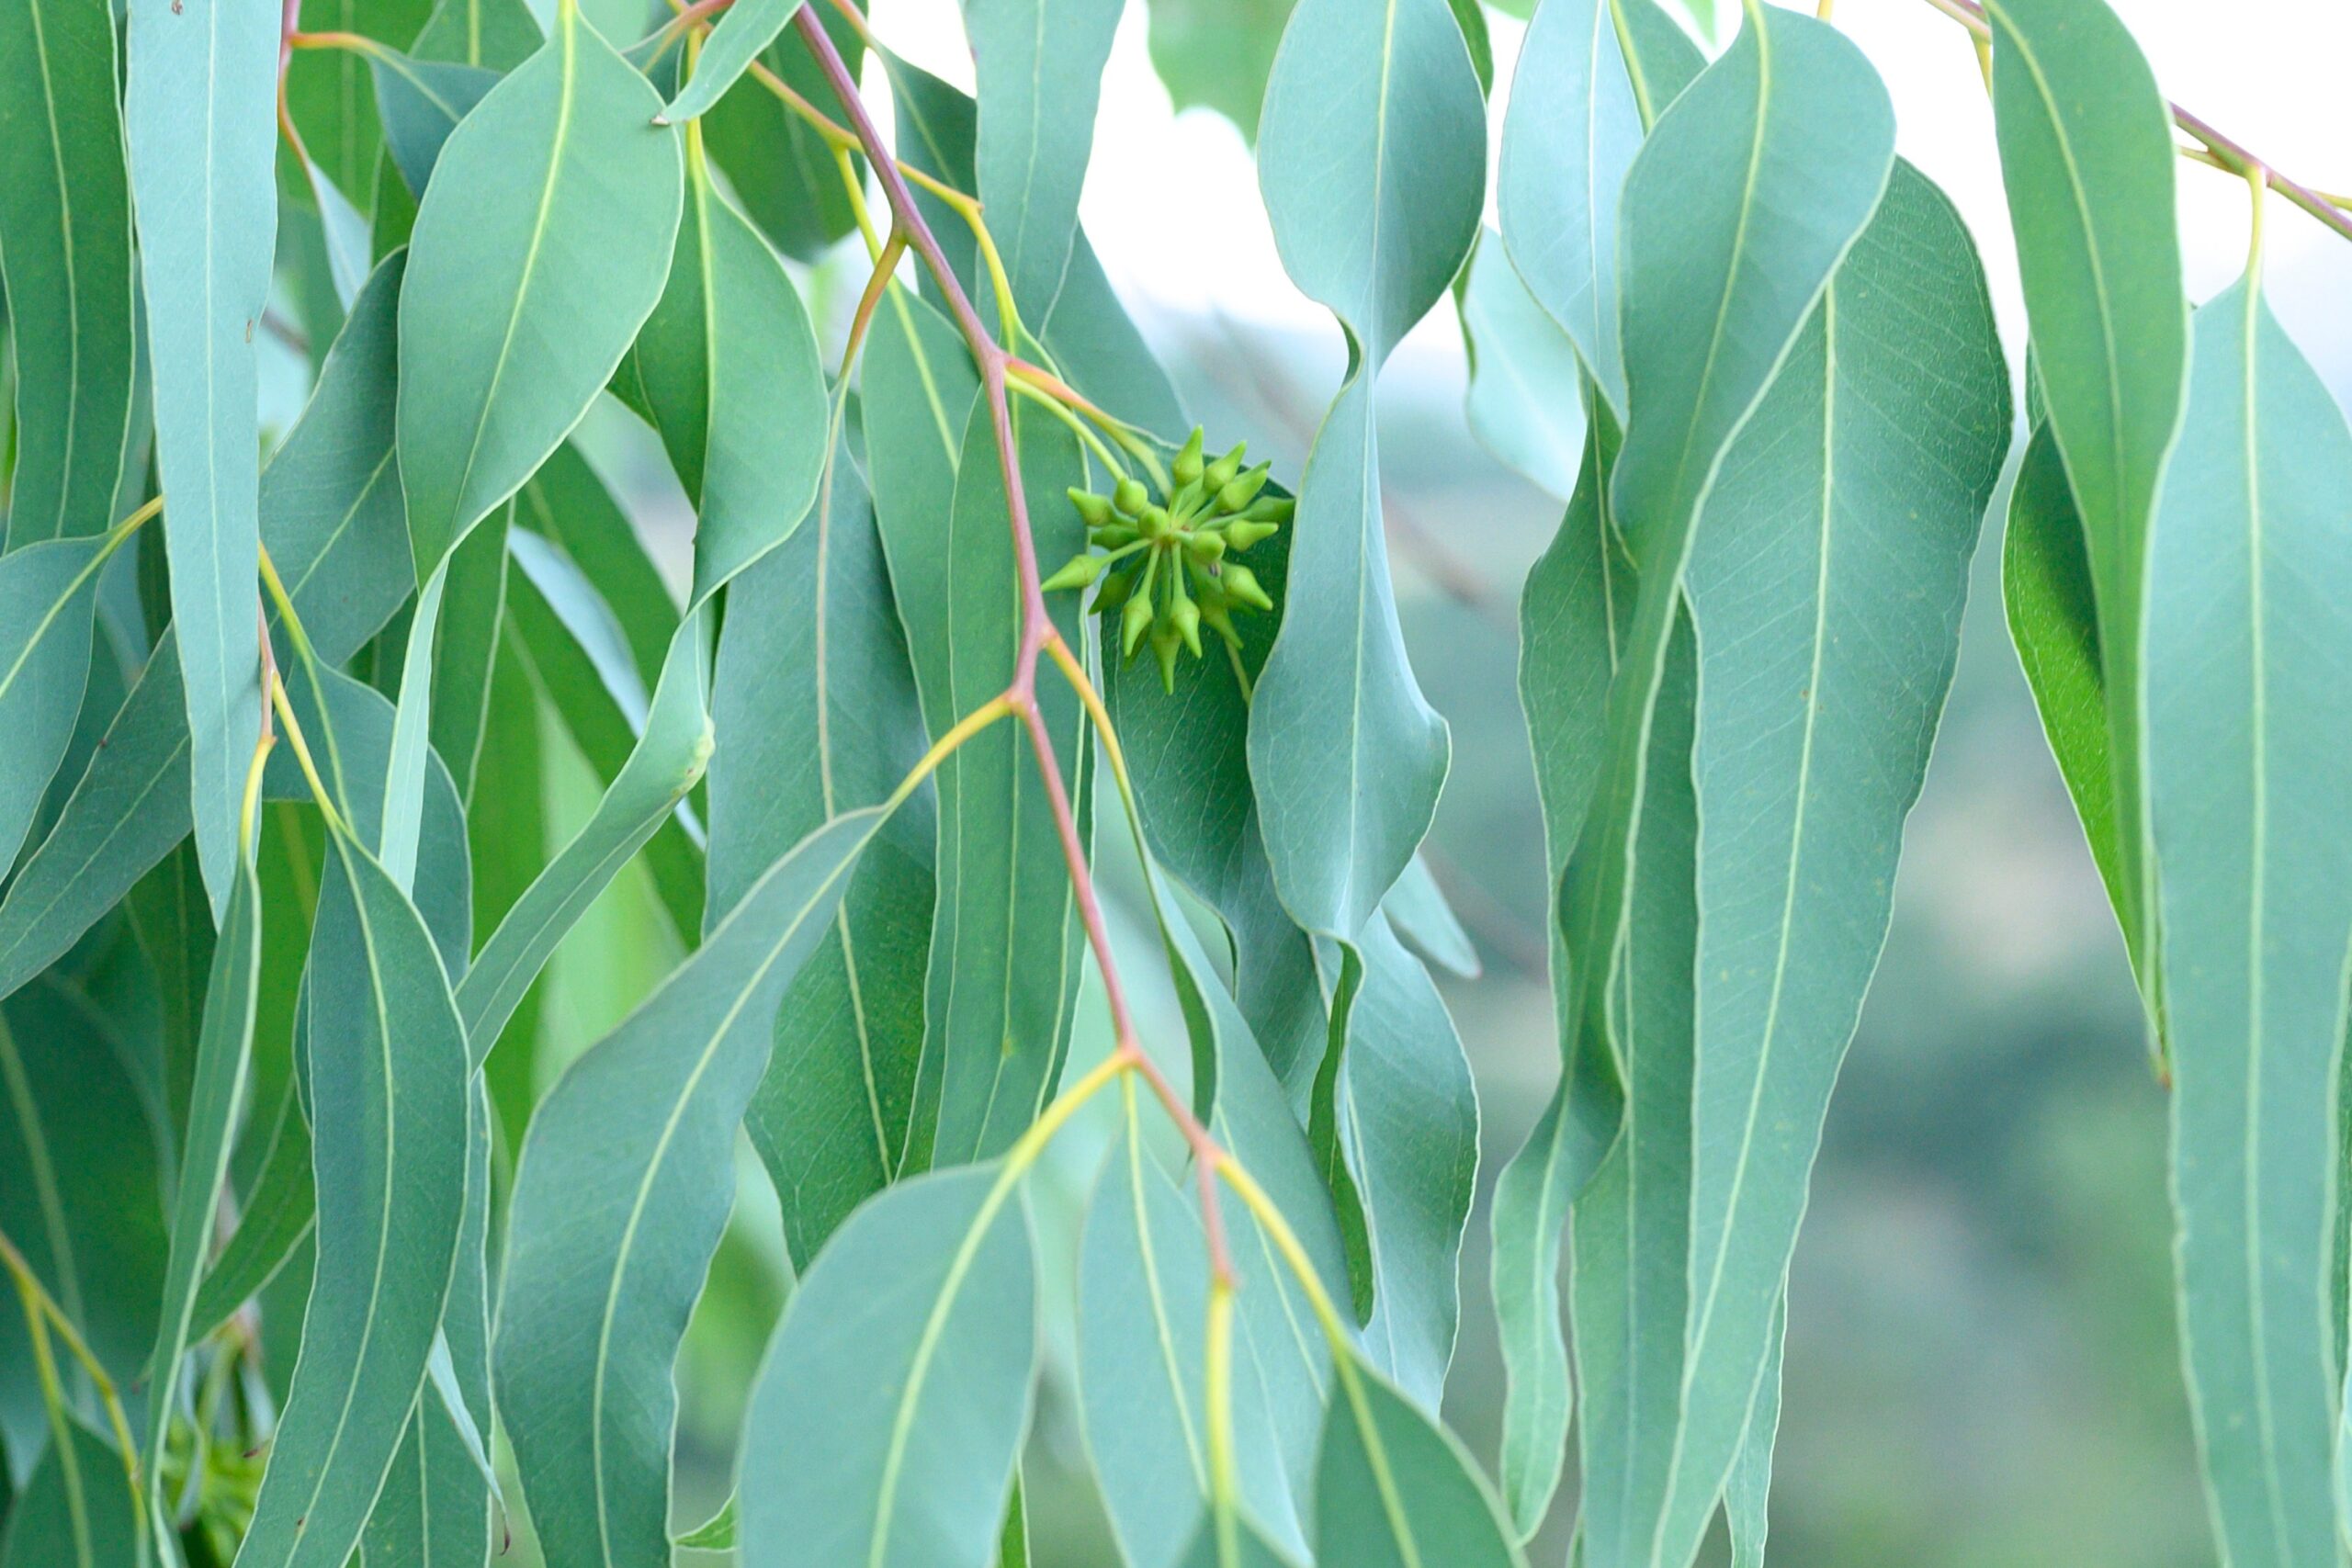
(1168, 569)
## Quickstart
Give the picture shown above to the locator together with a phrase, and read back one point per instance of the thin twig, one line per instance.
(1038, 631)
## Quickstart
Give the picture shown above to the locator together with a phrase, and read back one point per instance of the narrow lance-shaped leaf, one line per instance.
(1373, 160)
(202, 89)
(829, 1118)
(743, 31)
(224, 1063)
(74, 1511)
(1525, 402)
(48, 591)
(1038, 68)
(624, 1186)
(422, 101)
(1734, 218)
(1862, 480)
(1395, 1489)
(887, 1418)
(1568, 141)
(387, 1105)
(2248, 649)
(728, 364)
(65, 261)
(498, 34)
(2086, 159)
(998, 1026)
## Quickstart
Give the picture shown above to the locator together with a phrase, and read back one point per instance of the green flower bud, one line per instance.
(1133, 620)
(1214, 616)
(1186, 469)
(1205, 545)
(1187, 498)
(1077, 572)
(1130, 498)
(1242, 534)
(1111, 536)
(1220, 474)
(1165, 640)
(1242, 489)
(1153, 522)
(1186, 617)
(1242, 583)
(1094, 509)
(1272, 509)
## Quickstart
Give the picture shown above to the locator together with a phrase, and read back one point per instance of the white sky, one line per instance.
(2270, 72)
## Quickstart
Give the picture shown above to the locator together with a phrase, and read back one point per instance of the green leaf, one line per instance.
(1734, 218)
(538, 250)
(1404, 1118)
(1039, 69)
(887, 1418)
(330, 98)
(499, 34)
(1416, 907)
(172, 922)
(574, 651)
(782, 170)
(2247, 652)
(278, 1213)
(1748, 1491)
(1217, 54)
(728, 364)
(1372, 160)
(742, 32)
(2086, 158)
(465, 642)
(74, 1512)
(389, 1107)
(1862, 478)
(65, 261)
(1567, 143)
(203, 83)
(422, 101)
(566, 503)
(625, 1184)
(996, 1033)
(48, 591)
(1346, 756)
(1525, 402)
(662, 768)
(716, 1533)
(224, 1065)
(1251, 1549)
(80, 1196)
(830, 1119)
(1392, 1487)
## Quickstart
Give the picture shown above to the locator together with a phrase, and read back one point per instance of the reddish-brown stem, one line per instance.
(1036, 624)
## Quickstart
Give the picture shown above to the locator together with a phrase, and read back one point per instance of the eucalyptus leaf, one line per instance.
(742, 31)
(65, 260)
(422, 101)
(498, 34)
(48, 593)
(1038, 64)
(207, 220)
(1525, 402)
(74, 1511)
(1395, 1488)
(623, 1186)
(887, 1418)
(2247, 652)
(2090, 195)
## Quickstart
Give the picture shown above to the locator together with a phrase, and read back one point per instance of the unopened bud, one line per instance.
(1094, 509)
(1242, 534)
(1077, 572)
(1133, 621)
(1242, 489)
(1220, 474)
(1130, 498)
(1242, 583)
(1186, 469)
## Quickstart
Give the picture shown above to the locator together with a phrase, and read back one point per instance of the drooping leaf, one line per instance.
(1568, 138)
(80, 1197)
(830, 1119)
(624, 1183)
(566, 503)
(1863, 477)
(279, 1211)
(1417, 908)
(728, 364)
(1372, 159)
(1748, 1491)
(422, 101)
(2248, 649)
(388, 1104)
(996, 1030)
(782, 170)
(203, 83)
(1217, 54)
(1038, 64)
(222, 1070)
(172, 921)
(1394, 1489)
(65, 261)
(330, 95)
(1525, 404)
(742, 32)
(575, 653)
(48, 591)
(663, 766)
(539, 248)
(74, 1512)
(2086, 158)
(498, 34)
(887, 1418)
(464, 643)
(1734, 221)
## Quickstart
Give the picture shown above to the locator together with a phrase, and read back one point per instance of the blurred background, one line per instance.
(1981, 1367)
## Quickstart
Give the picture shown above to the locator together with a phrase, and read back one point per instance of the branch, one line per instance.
(1038, 631)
